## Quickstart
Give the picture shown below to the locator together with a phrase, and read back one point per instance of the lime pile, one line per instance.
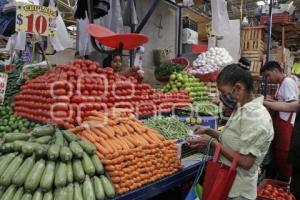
(10, 122)
(196, 89)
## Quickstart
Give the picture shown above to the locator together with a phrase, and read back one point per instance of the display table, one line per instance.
(190, 167)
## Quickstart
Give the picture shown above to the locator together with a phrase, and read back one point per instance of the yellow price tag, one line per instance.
(36, 19)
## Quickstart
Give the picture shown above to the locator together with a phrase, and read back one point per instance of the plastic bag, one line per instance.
(62, 40)
(220, 18)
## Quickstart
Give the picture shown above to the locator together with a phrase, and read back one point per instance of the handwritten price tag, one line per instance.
(3, 83)
(36, 19)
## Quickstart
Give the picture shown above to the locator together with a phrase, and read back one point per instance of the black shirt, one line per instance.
(294, 154)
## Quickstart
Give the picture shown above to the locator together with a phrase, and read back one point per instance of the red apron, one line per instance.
(281, 144)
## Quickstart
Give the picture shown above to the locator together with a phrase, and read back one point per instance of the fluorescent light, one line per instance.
(260, 3)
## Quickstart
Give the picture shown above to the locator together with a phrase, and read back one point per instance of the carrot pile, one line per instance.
(133, 154)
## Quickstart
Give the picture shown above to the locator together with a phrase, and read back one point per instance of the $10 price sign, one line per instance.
(36, 19)
(3, 83)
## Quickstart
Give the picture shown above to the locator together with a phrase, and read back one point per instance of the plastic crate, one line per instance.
(276, 18)
(276, 183)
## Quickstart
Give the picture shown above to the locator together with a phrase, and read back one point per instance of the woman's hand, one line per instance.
(199, 141)
(200, 130)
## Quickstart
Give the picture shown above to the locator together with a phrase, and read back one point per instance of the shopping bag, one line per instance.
(218, 178)
(196, 191)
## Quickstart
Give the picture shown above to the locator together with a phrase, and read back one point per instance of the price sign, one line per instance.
(36, 19)
(3, 83)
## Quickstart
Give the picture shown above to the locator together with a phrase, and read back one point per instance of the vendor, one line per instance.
(294, 151)
(249, 131)
(287, 91)
(115, 62)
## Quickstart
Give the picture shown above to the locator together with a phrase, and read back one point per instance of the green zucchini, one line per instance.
(109, 190)
(48, 196)
(9, 193)
(41, 151)
(48, 176)
(59, 138)
(11, 170)
(77, 192)
(88, 165)
(87, 189)
(53, 152)
(34, 177)
(27, 196)
(43, 139)
(60, 179)
(70, 189)
(21, 174)
(6, 161)
(70, 178)
(97, 164)
(41, 131)
(76, 149)
(98, 188)
(16, 136)
(7, 147)
(78, 171)
(18, 195)
(61, 193)
(69, 136)
(28, 148)
(65, 154)
(18, 145)
(2, 190)
(87, 147)
(38, 195)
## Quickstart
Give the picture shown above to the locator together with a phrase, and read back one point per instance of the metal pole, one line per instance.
(265, 80)
(179, 20)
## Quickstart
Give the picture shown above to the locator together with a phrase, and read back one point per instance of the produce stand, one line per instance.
(189, 170)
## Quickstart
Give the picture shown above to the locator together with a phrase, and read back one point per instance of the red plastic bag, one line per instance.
(218, 177)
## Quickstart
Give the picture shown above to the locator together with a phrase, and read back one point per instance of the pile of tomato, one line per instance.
(66, 94)
(271, 192)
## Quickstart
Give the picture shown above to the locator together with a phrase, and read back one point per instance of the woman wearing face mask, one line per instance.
(249, 131)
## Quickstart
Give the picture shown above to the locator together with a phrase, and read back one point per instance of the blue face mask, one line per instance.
(228, 100)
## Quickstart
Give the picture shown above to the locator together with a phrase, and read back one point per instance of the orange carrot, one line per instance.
(99, 133)
(101, 149)
(123, 129)
(116, 144)
(112, 145)
(89, 136)
(76, 129)
(106, 146)
(134, 141)
(146, 137)
(117, 141)
(131, 146)
(129, 128)
(106, 132)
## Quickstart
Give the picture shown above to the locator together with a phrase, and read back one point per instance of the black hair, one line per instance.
(269, 66)
(235, 73)
(244, 63)
(107, 61)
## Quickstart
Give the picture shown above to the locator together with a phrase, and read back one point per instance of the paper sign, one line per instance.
(36, 19)
(3, 83)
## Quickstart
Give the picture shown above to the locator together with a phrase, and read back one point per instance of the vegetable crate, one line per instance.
(269, 188)
(276, 18)
(253, 39)
(213, 93)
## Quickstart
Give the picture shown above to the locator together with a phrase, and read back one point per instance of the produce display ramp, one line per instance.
(190, 168)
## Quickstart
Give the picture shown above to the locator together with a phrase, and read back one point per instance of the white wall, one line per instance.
(165, 39)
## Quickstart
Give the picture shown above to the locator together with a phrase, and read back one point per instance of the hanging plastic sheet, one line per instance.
(129, 14)
(84, 43)
(220, 18)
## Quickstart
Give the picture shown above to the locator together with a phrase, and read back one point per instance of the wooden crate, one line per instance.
(253, 55)
(255, 67)
(253, 39)
(213, 93)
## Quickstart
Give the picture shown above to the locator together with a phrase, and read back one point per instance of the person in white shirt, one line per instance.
(283, 121)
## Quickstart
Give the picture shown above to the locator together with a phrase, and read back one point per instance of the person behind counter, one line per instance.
(115, 62)
(287, 91)
(249, 131)
(294, 151)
